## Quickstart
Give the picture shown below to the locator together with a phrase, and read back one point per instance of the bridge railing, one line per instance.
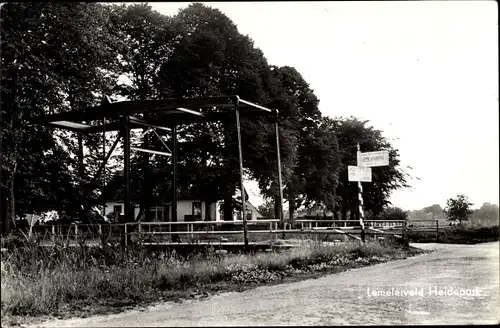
(221, 231)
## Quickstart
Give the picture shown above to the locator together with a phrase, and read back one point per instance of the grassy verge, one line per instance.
(58, 282)
(457, 235)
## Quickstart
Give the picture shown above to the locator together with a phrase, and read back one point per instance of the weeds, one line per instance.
(43, 280)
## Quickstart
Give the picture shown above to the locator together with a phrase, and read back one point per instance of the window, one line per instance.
(156, 214)
(117, 209)
(197, 209)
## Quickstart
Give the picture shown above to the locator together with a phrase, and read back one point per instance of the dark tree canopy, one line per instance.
(59, 57)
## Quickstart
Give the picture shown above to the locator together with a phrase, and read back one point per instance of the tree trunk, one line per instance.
(4, 215)
(208, 213)
(344, 211)
(146, 187)
(277, 206)
(335, 214)
(81, 174)
(11, 219)
(228, 203)
(352, 216)
(81, 168)
(291, 207)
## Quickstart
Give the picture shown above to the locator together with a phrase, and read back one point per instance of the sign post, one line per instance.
(373, 158)
(360, 197)
(363, 173)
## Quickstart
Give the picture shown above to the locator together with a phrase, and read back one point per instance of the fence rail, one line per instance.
(266, 230)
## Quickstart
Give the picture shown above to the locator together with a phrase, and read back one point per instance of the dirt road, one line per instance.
(349, 298)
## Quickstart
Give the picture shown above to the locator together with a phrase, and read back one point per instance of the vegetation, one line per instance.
(51, 64)
(458, 208)
(460, 234)
(42, 281)
(486, 215)
(394, 213)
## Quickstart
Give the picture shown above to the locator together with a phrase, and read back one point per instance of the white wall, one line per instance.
(110, 205)
(185, 207)
(248, 206)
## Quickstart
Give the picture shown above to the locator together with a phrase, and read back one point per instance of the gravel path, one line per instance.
(346, 298)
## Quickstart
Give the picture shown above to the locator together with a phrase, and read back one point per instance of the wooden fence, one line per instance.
(218, 232)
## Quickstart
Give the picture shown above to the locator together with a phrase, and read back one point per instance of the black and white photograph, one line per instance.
(266, 163)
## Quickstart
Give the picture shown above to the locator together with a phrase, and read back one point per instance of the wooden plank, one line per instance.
(151, 151)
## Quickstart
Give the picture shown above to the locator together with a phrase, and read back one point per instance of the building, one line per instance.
(188, 208)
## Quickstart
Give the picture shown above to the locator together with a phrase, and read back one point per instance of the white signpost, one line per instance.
(373, 158)
(363, 173)
(359, 173)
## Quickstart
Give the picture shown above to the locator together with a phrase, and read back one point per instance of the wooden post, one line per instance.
(437, 230)
(405, 237)
(126, 236)
(242, 188)
(53, 233)
(270, 232)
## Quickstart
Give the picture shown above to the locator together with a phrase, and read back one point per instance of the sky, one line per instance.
(425, 73)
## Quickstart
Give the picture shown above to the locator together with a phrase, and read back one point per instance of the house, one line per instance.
(189, 208)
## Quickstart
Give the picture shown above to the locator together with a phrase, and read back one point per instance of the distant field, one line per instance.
(456, 235)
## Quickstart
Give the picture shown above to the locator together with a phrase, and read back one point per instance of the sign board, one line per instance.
(374, 158)
(356, 173)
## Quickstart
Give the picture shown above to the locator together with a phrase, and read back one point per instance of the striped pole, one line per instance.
(360, 199)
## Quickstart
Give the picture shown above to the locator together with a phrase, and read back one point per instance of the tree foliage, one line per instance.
(458, 208)
(487, 214)
(266, 209)
(394, 214)
(59, 57)
(351, 131)
(51, 59)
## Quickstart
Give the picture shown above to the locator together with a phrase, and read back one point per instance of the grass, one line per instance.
(466, 234)
(38, 281)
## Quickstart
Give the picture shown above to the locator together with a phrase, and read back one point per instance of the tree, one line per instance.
(351, 131)
(458, 208)
(147, 40)
(310, 172)
(50, 63)
(394, 214)
(487, 214)
(213, 59)
(266, 209)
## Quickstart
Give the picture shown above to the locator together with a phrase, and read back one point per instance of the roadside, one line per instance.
(346, 298)
(61, 292)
